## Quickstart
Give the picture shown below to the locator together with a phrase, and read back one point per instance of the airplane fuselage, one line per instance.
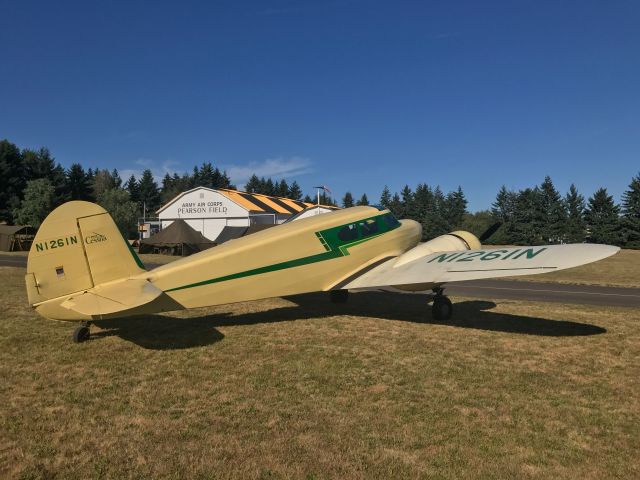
(314, 254)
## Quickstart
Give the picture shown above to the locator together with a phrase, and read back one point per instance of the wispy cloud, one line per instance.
(159, 170)
(279, 167)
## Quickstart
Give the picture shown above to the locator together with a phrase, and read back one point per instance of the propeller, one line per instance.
(489, 232)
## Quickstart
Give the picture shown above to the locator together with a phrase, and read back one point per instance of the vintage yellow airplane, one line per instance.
(81, 269)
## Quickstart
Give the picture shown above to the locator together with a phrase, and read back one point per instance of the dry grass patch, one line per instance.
(300, 387)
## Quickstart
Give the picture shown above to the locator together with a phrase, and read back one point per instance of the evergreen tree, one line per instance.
(407, 206)
(363, 200)
(308, 199)
(78, 184)
(554, 227)
(528, 218)
(455, 208)
(40, 164)
(385, 197)
(396, 206)
(326, 199)
(295, 192)
(422, 202)
(37, 204)
(12, 179)
(194, 179)
(576, 228)
(503, 210)
(347, 200)
(149, 193)
(117, 181)
(603, 221)
(204, 176)
(216, 179)
(225, 181)
(631, 213)
(133, 188)
(269, 187)
(169, 189)
(434, 223)
(282, 189)
(253, 184)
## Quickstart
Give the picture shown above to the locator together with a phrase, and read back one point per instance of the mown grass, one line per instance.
(620, 270)
(302, 388)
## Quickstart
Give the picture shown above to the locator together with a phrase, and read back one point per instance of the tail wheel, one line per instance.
(442, 308)
(81, 334)
(339, 296)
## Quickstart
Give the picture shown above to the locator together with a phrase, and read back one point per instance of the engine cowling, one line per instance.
(451, 242)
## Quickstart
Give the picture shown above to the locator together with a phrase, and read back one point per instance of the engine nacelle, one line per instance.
(451, 242)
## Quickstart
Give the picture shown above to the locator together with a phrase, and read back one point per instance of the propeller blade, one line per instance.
(490, 231)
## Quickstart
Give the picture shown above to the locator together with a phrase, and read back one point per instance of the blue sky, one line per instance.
(353, 94)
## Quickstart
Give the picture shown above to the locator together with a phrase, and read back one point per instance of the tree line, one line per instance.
(436, 212)
(32, 183)
(532, 216)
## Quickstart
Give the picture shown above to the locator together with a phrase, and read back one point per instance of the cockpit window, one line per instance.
(392, 222)
(348, 233)
(368, 227)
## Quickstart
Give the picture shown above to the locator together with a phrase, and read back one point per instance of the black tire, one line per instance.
(339, 296)
(81, 334)
(442, 308)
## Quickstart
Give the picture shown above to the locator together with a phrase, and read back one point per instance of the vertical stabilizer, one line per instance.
(77, 247)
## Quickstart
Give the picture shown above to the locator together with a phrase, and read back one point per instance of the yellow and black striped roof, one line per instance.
(258, 203)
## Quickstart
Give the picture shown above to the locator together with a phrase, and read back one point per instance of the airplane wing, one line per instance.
(443, 267)
(113, 297)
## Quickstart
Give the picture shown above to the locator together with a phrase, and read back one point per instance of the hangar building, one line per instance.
(209, 211)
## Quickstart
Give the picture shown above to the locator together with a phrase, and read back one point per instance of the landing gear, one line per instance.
(82, 333)
(442, 308)
(339, 296)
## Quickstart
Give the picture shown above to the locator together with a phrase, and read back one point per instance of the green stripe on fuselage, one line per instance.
(328, 238)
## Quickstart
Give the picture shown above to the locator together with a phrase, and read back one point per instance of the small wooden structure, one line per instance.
(16, 238)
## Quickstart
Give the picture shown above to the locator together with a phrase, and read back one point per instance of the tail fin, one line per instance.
(77, 247)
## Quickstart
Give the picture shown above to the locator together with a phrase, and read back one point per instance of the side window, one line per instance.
(368, 227)
(348, 233)
(392, 222)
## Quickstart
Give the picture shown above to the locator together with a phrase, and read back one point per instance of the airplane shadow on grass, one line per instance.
(161, 332)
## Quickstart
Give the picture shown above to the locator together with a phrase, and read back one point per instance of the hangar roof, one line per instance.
(255, 202)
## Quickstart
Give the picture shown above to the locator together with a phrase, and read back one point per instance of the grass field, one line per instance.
(302, 388)
(620, 270)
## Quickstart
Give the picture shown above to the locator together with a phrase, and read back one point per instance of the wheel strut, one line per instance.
(442, 308)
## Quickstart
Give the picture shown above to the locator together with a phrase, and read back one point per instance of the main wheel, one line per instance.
(81, 334)
(442, 309)
(339, 296)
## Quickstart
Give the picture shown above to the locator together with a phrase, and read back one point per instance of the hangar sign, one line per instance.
(202, 203)
(200, 208)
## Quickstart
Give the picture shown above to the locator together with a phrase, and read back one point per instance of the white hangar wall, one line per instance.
(206, 211)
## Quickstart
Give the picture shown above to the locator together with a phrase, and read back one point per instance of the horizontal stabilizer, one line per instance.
(457, 266)
(113, 297)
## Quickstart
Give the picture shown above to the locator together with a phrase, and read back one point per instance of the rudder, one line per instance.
(77, 247)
